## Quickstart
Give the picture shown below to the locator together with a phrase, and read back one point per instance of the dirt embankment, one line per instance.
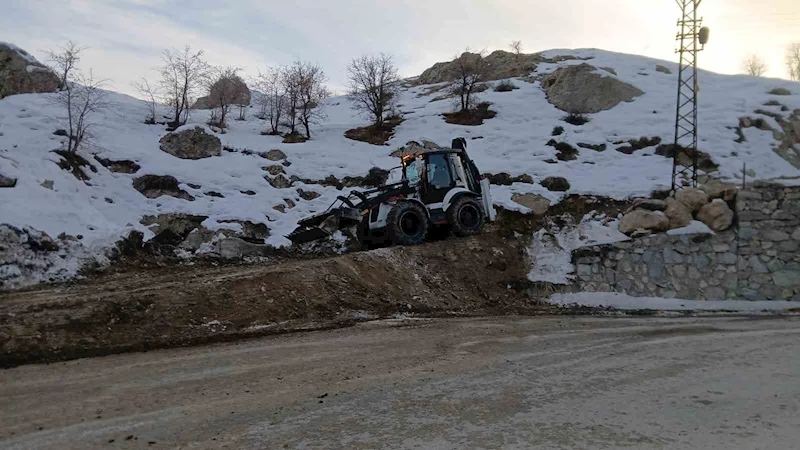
(185, 305)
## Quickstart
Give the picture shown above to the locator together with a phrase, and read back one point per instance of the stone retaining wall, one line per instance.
(757, 260)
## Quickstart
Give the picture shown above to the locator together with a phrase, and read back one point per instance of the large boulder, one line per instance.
(536, 203)
(582, 89)
(717, 215)
(678, 214)
(641, 219)
(191, 143)
(232, 89)
(694, 199)
(21, 73)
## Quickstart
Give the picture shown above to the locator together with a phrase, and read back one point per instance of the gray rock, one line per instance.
(535, 202)
(279, 182)
(672, 257)
(275, 169)
(717, 215)
(556, 184)
(177, 223)
(714, 293)
(579, 89)
(306, 195)
(679, 270)
(786, 278)
(6, 182)
(701, 261)
(154, 186)
(775, 265)
(47, 184)
(788, 246)
(643, 220)
(662, 69)
(236, 248)
(192, 143)
(625, 284)
(727, 259)
(275, 155)
(757, 266)
(775, 235)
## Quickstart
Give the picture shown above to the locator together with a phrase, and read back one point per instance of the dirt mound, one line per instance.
(184, 305)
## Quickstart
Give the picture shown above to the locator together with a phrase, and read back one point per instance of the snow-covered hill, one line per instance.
(107, 207)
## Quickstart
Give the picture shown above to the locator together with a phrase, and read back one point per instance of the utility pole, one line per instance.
(690, 34)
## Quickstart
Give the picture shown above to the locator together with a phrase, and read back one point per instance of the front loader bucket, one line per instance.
(323, 225)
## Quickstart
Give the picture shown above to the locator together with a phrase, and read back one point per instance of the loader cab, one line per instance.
(436, 173)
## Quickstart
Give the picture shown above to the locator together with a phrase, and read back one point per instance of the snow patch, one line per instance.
(623, 301)
(694, 227)
(551, 250)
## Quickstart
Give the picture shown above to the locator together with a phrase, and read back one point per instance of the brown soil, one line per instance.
(375, 135)
(179, 305)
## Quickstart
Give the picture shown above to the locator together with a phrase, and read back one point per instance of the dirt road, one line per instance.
(510, 382)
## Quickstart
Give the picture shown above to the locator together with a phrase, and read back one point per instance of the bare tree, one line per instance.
(151, 93)
(83, 97)
(516, 47)
(182, 74)
(753, 65)
(290, 84)
(271, 86)
(470, 70)
(64, 61)
(311, 91)
(225, 89)
(372, 86)
(793, 61)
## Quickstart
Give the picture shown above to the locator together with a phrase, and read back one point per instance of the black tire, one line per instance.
(465, 216)
(407, 224)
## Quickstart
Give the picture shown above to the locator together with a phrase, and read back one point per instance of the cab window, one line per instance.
(438, 172)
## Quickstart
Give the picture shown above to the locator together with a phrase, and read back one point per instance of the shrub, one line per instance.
(575, 119)
(558, 131)
(780, 91)
(505, 86)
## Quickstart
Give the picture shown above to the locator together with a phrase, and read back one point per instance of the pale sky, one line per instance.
(125, 37)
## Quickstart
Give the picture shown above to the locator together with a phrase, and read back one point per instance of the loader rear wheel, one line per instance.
(407, 224)
(465, 216)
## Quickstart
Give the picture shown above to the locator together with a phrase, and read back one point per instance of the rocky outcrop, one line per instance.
(643, 220)
(501, 64)
(21, 73)
(274, 155)
(233, 89)
(154, 186)
(178, 223)
(717, 215)
(581, 90)
(192, 143)
(662, 69)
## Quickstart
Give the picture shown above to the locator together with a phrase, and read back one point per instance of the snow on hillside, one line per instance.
(107, 207)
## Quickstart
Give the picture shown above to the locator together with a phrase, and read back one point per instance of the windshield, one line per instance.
(413, 172)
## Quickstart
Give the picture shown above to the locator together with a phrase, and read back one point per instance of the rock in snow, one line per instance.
(581, 89)
(21, 73)
(192, 143)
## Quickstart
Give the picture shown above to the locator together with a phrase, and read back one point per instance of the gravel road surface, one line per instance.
(504, 382)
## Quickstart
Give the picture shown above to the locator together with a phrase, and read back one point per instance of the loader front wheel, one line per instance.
(465, 216)
(407, 224)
